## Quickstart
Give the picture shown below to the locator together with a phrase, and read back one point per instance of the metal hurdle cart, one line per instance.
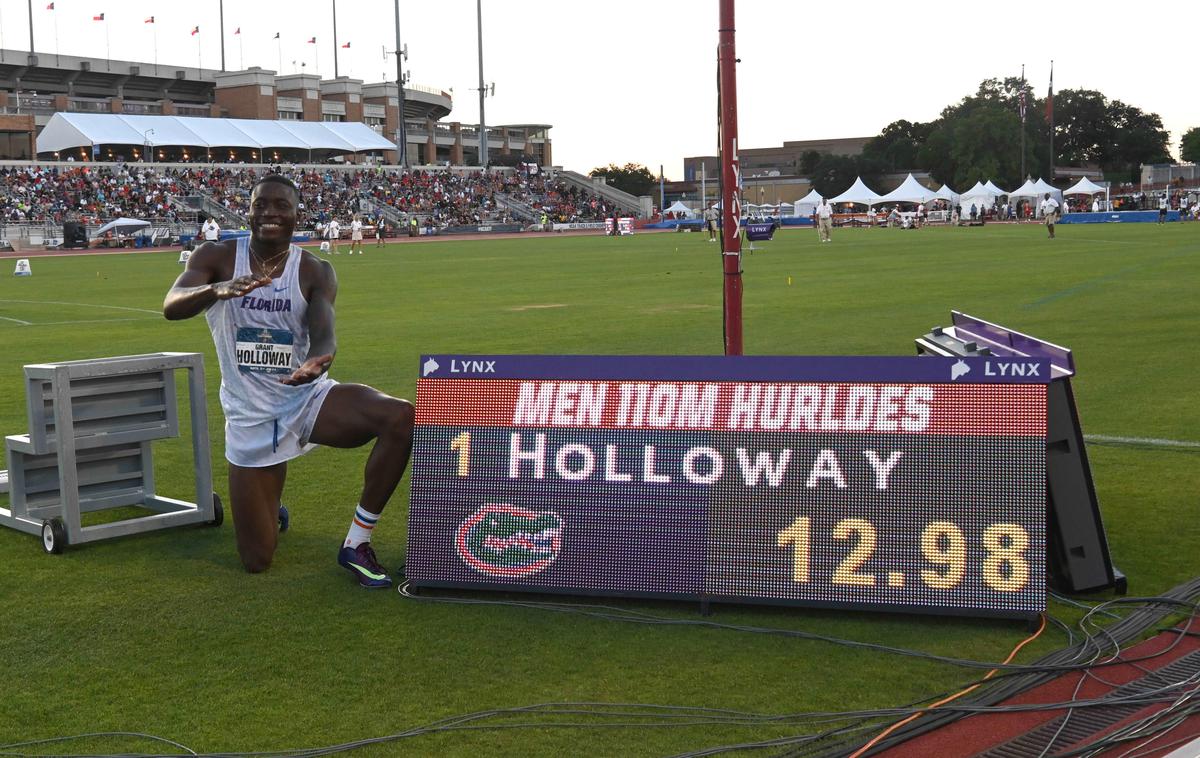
(89, 448)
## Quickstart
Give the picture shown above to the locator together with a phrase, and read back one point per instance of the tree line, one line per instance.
(979, 138)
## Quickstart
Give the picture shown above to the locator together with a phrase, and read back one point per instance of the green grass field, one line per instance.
(164, 633)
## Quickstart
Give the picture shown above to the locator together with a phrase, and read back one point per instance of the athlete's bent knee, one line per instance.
(398, 417)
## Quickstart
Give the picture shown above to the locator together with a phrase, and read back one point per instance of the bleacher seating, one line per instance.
(94, 193)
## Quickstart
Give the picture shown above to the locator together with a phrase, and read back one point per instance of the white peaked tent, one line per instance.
(994, 189)
(1084, 186)
(979, 196)
(945, 193)
(909, 191)
(858, 193)
(1044, 187)
(1028, 189)
(807, 204)
(679, 207)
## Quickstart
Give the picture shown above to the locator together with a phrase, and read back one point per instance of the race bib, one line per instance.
(264, 351)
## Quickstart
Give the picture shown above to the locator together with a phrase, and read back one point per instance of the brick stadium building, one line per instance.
(35, 87)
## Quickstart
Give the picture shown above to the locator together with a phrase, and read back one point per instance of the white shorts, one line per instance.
(356, 237)
(277, 440)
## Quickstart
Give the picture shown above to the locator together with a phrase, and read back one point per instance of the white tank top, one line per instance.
(260, 338)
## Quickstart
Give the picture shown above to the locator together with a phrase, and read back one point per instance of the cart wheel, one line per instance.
(285, 518)
(218, 511)
(54, 536)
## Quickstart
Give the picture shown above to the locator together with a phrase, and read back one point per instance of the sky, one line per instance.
(625, 81)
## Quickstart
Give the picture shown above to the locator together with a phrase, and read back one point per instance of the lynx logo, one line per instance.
(509, 541)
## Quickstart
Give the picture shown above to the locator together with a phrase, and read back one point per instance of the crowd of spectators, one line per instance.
(88, 195)
(95, 194)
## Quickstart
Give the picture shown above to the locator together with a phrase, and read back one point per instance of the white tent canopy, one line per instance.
(994, 189)
(123, 226)
(1044, 187)
(1028, 189)
(807, 204)
(945, 193)
(1084, 186)
(72, 130)
(977, 191)
(679, 207)
(858, 193)
(909, 191)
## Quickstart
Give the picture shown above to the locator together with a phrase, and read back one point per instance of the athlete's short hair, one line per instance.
(278, 179)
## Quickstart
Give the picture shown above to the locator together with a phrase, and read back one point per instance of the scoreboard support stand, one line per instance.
(1079, 559)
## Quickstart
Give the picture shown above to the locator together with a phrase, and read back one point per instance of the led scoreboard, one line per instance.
(899, 483)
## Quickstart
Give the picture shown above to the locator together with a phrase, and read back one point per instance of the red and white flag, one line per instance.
(149, 20)
(50, 7)
(237, 30)
(195, 30)
(346, 45)
(98, 18)
(312, 41)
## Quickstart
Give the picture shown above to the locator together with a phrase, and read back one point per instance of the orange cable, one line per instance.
(955, 696)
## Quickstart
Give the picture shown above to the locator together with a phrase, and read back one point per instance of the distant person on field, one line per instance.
(380, 232)
(1163, 205)
(333, 231)
(356, 241)
(1095, 205)
(269, 305)
(210, 231)
(710, 221)
(824, 220)
(1049, 210)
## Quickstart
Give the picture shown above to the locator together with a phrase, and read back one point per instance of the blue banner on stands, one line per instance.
(1117, 217)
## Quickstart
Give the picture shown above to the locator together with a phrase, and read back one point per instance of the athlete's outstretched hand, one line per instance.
(239, 286)
(309, 370)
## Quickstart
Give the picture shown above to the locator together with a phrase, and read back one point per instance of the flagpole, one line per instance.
(107, 45)
(279, 53)
(1051, 122)
(335, 42)
(154, 32)
(1024, 105)
(55, 38)
(199, 59)
(241, 63)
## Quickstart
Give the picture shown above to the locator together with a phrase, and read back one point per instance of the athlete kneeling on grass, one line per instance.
(270, 309)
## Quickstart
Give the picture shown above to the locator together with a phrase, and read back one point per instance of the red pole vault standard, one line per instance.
(731, 203)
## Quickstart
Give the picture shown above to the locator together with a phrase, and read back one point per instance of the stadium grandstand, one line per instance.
(84, 141)
(35, 87)
(37, 200)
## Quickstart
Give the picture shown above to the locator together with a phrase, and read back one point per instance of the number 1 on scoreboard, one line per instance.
(462, 445)
(799, 536)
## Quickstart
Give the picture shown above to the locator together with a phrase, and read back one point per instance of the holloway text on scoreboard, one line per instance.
(882, 482)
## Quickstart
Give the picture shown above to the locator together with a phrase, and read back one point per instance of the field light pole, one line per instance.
(731, 204)
(483, 139)
(401, 131)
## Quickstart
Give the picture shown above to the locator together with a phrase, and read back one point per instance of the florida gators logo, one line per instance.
(509, 541)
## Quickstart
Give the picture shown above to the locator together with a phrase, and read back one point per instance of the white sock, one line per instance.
(360, 527)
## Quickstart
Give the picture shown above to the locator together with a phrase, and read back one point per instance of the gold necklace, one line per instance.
(280, 257)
